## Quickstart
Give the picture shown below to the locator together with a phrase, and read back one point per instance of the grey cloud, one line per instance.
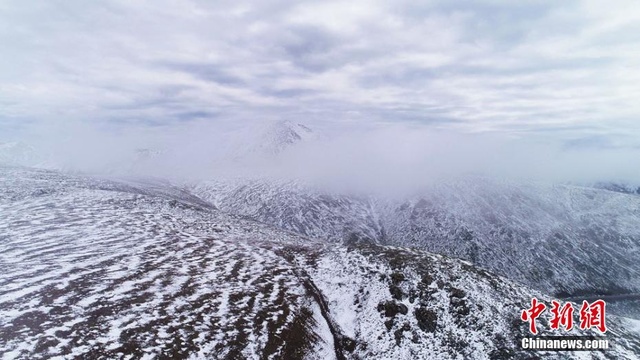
(290, 93)
(590, 142)
(206, 71)
(309, 47)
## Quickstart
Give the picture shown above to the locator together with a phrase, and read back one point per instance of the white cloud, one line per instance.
(562, 70)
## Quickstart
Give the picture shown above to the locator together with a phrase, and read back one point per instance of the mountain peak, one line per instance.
(281, 135)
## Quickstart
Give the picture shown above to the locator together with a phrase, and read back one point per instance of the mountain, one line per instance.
(281, 135)
(621, 187)
(100, 268)
(564, 239)
(568, 240)
(19, 153)
(293, 206)
(266, 141)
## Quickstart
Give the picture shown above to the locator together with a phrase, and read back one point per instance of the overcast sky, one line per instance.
(564, 70)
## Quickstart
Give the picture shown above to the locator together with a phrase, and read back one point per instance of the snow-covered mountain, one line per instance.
(266, 141)
(293, 206)
(280, 135)
(560, 238)
(563, 239)
(622, 187)
(96, 268)
(19, 153)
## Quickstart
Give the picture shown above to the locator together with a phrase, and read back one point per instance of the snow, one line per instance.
(634, 324)
(101, 268)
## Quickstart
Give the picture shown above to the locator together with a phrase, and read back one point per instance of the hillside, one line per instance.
(100, 268)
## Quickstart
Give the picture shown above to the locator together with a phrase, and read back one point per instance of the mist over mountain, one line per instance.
(20, 154)
(570, 231)
(394, 158)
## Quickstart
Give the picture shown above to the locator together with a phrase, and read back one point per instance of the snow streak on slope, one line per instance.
(94, 272)
(102, 269)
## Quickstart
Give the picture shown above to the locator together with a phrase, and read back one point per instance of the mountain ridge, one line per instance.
(590, 237)
(100, 268)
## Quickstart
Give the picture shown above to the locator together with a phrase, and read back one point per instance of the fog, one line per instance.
(347, 155)
(398, 94)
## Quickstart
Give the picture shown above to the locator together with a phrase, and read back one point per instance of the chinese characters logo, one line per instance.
(592, 315)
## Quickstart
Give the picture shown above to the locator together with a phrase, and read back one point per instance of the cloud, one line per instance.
(555, 70)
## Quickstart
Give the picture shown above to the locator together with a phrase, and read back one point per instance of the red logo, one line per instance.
(562, 317)
(591, 315)
(532, 314)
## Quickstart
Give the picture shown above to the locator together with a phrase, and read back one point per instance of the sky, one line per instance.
(563, 72)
